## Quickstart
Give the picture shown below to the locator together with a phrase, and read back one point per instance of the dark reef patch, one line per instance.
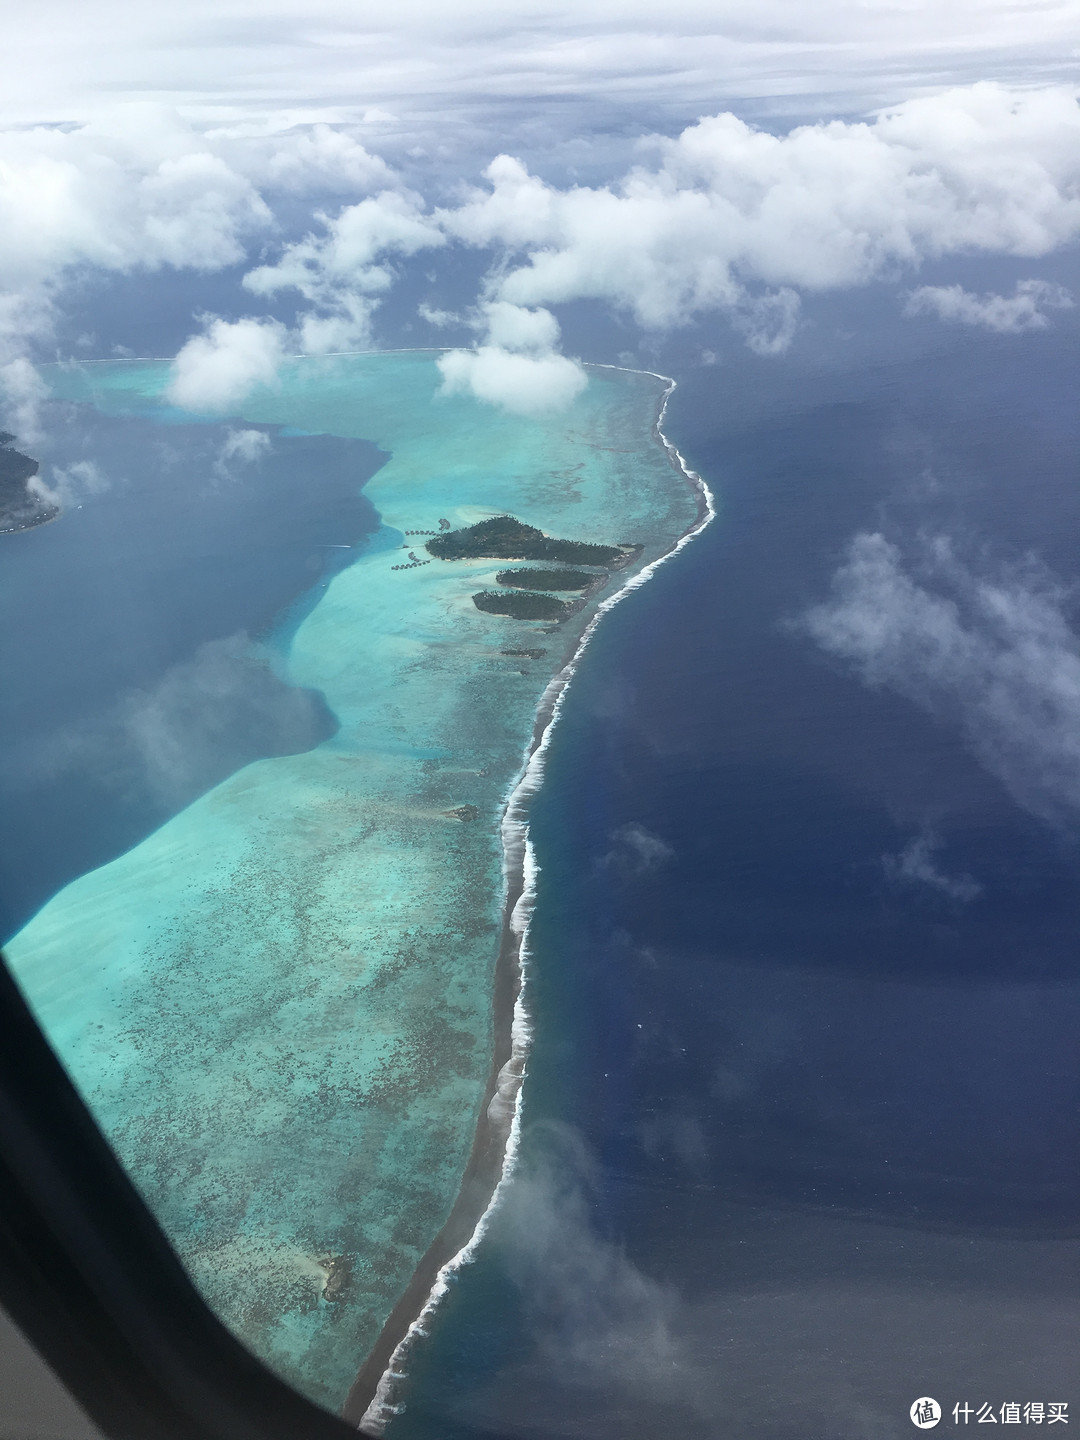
(20, 508)
(462, 812)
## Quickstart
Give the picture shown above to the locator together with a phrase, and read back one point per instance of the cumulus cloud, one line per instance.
(434, 316)
(732, 218)
(514, 328)
(916, 864)
(344, 272)
(523, 384)
(320, 158)
(139, 188)
(242, 447)
(142, 191)
(22, 393)
(517, 367)
(992, 653)
(1024, 309)
(217, 369)
(724, 217)
(69, 484)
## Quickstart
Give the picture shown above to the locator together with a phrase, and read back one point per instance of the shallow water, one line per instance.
(278, 1004)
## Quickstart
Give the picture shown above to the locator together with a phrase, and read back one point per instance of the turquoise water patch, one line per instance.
(279, 1004)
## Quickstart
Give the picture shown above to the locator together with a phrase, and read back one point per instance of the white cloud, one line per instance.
(1025, 309)
(344, 272)
(514, 328)
(69, 484)
(994, 654)
(735, 219)
(242, 447)
(172, 726)
(439, 318)
(636, 850)
(216, 370)
(137, 191)
(723, 217)
(22, 393)
(320, 158)
(588, 1307)
(524, 384)
(141, 191)
(246, 445)
(769, 321)
(139, 188)
(517, 367)
(349, 328)
(916, 864)
(446, 77)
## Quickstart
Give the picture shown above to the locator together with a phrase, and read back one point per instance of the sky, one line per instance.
(423, 73)
(665, 164)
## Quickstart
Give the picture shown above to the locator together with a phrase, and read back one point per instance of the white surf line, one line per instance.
(75, 362)
(518, 851)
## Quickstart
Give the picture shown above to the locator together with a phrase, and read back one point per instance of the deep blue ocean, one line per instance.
(800, 1128)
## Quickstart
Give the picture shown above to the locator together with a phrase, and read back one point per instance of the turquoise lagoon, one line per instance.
(279, 1004)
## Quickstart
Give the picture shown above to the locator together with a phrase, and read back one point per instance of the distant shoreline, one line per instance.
(21, 508)
(31, 524)
(370, 1402)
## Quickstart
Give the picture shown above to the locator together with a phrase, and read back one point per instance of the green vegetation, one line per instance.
(522, 604)
(547, 579)
(504, 538)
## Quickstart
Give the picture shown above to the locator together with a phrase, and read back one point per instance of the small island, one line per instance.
(550, 579)
(504, 538)
(20, 507)
(523, 604)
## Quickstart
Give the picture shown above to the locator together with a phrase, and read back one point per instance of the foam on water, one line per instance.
(279, 1004)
